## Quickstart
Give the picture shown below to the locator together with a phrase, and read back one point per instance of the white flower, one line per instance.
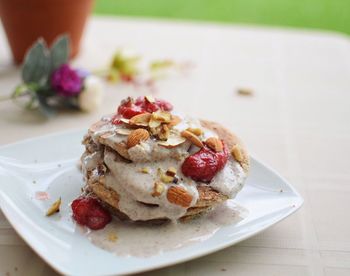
(92, 95)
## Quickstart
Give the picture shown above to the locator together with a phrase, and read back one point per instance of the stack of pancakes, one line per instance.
(94, 176)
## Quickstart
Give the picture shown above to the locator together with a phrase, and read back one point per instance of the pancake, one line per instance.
(107, 143)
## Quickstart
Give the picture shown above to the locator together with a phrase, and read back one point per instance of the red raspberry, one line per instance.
(164, 105)
(88, 211)
(152, 107)
(204, 164)
(98, 218)
(129, 112)
(116, 120)
(129, 109)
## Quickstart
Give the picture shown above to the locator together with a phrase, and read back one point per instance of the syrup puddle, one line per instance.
(128, 239)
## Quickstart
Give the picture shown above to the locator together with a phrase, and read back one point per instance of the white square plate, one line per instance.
(49, 164)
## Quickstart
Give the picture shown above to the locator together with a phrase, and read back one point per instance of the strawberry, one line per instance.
(88, 211)
(98, 218)
(128, 108)
(129, 112)
(204, 164)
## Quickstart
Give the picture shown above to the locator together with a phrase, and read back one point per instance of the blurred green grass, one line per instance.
(320, 14)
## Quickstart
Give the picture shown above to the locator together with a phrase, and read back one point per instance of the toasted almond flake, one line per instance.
(96, 126)
(215, 144)
(136, 137)
(106, 135)
(173, 141)
(123, 131)
(192, 138)
(171, 171)
(140, 119)
(112, 237)
(166, 178)
(195, 131)
(175, 120)
(162, 116)
(163, 133)
(149, 99)
(125, 121)
(237, 153)
(144, 170)
(154, 123)
(158, 189)
(54, 208)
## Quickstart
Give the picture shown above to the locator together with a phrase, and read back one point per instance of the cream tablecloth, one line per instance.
(298, 121)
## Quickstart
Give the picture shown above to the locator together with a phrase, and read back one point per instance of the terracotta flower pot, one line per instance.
(25, 21)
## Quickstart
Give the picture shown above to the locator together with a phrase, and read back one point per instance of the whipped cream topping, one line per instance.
(135, 187)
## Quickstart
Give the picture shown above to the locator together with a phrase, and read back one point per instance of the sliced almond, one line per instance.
(149, 99)
(195, 131)
(140, 119)
(173, 141)
(179, 196)
(105, 136)
(123, 131)
(54, 208)
(237, 153)
(162, 116)
(163, 133)
(96, 126)
(136, 137)
(153, 123)
(125, 121)
(158, 189)
(192, 138)
(175, 120)
(215, 144)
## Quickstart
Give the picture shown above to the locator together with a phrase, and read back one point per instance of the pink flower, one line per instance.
(66, 81)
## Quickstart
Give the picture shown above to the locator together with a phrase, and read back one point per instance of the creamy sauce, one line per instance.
(148, 240)
(134, 187)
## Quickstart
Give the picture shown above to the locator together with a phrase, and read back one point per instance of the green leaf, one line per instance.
(36, 64)
(59, 51)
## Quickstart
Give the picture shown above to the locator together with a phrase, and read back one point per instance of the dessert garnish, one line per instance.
(89, 212)
(130, 108)
(205, 164)
(148, 163)
(54, 208)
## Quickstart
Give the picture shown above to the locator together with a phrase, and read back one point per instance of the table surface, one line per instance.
(297, 121)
